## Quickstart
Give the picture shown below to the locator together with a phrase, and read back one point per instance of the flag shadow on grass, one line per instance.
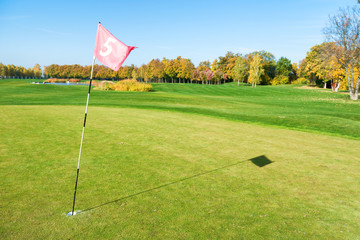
(259, 161)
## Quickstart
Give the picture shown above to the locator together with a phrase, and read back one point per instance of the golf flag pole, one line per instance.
(82, 136)
(111, 52)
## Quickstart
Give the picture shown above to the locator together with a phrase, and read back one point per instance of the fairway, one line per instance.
(179, 163)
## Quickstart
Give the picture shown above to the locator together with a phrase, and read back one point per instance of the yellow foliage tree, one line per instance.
(256, 70)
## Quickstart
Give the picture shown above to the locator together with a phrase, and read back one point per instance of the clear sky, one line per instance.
(63, 32)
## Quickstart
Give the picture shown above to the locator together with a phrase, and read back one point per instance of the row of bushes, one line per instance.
(285, 80)
(133, 85)
(130, 85)
(60, 80)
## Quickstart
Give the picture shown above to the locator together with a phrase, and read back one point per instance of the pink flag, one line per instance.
(109, 50)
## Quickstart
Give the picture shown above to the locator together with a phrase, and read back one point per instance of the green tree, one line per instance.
(283, 67)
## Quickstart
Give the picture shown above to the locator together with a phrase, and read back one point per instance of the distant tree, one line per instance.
(142, 73)
(225, 77)
(53, 70)
(344, 30)
(102, 72)
(240, 70)
(86, 72)
(301, 69)
(150, 70)
(2, 69)
(185, 68)
(256, 70)
(224, 61)
(196, 75)
(170, 70)
(203, 75)
(284, 67)
(331, 68)
(134, 73)
(214, 65)
(314, 67)
(189, 69)
(269, 65)
(121, 73)
(209, 76)
(230, 66)
(295, 71)
(37, 70)
(159, 72)
(218, 74)
(283, 71)
(203, 65)
(128, 71)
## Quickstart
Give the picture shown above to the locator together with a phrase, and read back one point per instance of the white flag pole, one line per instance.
(82, 139)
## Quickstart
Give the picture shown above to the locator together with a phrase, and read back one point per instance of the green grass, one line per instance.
(174, 163)
(281, 106)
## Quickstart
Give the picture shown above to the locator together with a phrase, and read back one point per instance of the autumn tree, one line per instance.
(314, 67)
(2, 69)
(256, 70)
(151, 69)
(196, 75)
(170, 70)
(134, 73)
(202, 76)
(218, 76)
(330, 67)
(142, 73)
(203, 65)
(344, 30)
(268, 63)
(37, 71)
(185, 68)
(214, 65)
(240, 70)
(295, 71)
(209, 76)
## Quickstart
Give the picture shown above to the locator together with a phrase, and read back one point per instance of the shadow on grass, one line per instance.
(259, 161)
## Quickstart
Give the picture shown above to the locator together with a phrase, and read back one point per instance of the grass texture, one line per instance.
(182, 162)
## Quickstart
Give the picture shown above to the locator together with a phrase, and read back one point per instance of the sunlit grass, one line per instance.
(281, 106)
(157, 169)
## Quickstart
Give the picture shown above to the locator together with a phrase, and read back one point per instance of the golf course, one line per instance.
(184, 161)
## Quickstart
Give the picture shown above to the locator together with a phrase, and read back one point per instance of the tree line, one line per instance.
(11, 70)
(231, 67)
(336, 61)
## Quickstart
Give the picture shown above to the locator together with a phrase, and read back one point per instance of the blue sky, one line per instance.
(63, 32)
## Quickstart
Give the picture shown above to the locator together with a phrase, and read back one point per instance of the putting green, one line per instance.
(168, 175)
